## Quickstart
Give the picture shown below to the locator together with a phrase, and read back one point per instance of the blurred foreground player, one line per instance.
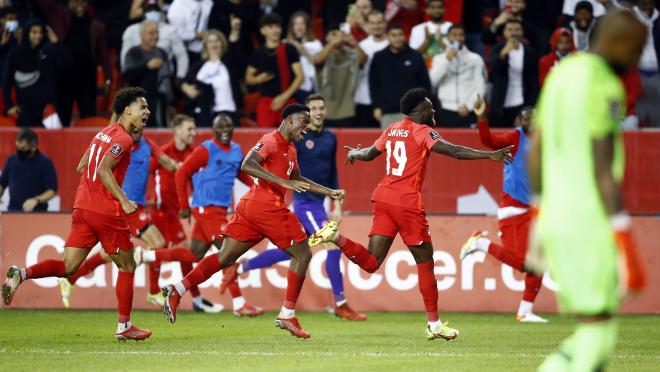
(99, 212)
(397, 201)
(576, 164)
(317, 157)
(514, 214)
(261, 213)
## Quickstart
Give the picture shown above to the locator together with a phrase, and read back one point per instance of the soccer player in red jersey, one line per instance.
(515, 213)
(397, 200)
(99, 212)
(212, 167)
(262, 213)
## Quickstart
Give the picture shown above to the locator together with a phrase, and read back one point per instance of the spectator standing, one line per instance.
(561, 44)
(225, 13)
(460, 78)
(276, 70)
(514, 75)
(8, 38)
(395, 70)
(146, 66)
(598, 7)
(428, 37)
(301, 36)
(190, 18)
(513, 10)
(29, 174)
(337, 78)
(83, 38)
(582, 25)
(32, 69)
(168, 39)
(357, 19)
(376, 42)
(647, 106)
(406, 13)
(212, 84)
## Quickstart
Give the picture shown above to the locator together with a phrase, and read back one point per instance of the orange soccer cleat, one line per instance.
(346, 312)
(292, 325)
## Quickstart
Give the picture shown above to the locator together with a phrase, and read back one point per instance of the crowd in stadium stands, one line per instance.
(62, 59)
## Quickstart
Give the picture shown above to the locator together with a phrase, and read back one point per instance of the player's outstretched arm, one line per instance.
(168, 163)
(252, 166)
(318, 189)
(358, 153)
(105, 174)
(466, 153)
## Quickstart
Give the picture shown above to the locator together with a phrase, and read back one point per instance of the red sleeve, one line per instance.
(199, 158)
(156, 152)
(245, 178)
(380, 141)
(427, 137)
(265, 146)
(119, 147)
(545, 64)
(497, 141)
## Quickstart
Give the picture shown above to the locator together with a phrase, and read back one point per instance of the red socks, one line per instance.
(506, 256)
(180, 254)
(124, 293)
(532, 287)
(234, 289)
(358, 254)
(293, 287)
(186, 268)
(428, 286)
(45, 269)
(154, 274)
(204, 270)
(87, 267)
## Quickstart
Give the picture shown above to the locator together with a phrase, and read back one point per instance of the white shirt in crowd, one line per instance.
(190, 17)
(514, 91)
(649, 59)
(418, 33)
(569, 7)
(369, 46)
(215, 73)
(168, 40)
(313, 48)
(460, 80)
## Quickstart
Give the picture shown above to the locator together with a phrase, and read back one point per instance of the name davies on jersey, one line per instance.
(398, 133)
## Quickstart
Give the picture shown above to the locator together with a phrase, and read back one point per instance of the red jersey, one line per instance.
(281, 159)
(91, 194)
(407, 146)
(165, 196)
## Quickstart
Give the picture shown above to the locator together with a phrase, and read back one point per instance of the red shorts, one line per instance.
(410, 223)
(267, 117)
(255, 220)
(89, 228)
(168, 223)
(210, 223)
(138, 221)
(514, 233)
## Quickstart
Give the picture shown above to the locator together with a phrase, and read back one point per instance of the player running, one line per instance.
(514, 214)
(262, 213)
(135, 187)
(397, 200)
(99, 212)
(317, 158)
(576, 163)
(212, 167)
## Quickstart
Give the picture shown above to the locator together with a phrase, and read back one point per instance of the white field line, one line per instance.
(302, 354)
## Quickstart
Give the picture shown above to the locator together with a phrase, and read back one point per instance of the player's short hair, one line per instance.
(270, 19)
(179, 119)
(394, 26)
(222, 116)
(314, 97)
(411, 99)
(28, 135)
(455, 26)
(584, 5)
(293, 109)
(126, 96)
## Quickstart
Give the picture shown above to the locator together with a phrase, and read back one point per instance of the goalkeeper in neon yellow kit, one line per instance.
(576, 164)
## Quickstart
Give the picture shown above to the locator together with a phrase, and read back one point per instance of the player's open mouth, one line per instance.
(144, 120)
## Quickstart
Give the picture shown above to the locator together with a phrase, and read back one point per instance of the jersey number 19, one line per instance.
(399, 156)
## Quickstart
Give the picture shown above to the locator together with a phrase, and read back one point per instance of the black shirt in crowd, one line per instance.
(28, 178)
(265, 60)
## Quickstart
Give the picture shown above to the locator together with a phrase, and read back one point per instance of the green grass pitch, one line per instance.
(83, 340)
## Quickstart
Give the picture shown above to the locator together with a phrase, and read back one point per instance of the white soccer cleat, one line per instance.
(470, 245)
(137, 256)
(206, 306)
(327, 234)
(530, 318)
(11, 284)
(65, 291)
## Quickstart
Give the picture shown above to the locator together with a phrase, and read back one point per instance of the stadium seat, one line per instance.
(7, 121)
(94, 121)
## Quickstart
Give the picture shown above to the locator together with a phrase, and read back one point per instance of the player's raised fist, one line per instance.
(479, 107)
(503, 154)
(128, 206)
(338, 194)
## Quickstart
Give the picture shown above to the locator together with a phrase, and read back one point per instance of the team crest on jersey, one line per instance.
(434, 135)
(258, 147)
(116, 149)
(309, 144)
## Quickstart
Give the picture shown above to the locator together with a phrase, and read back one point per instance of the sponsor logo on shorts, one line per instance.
(116, 149)
(434, 135)
(258, 147)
